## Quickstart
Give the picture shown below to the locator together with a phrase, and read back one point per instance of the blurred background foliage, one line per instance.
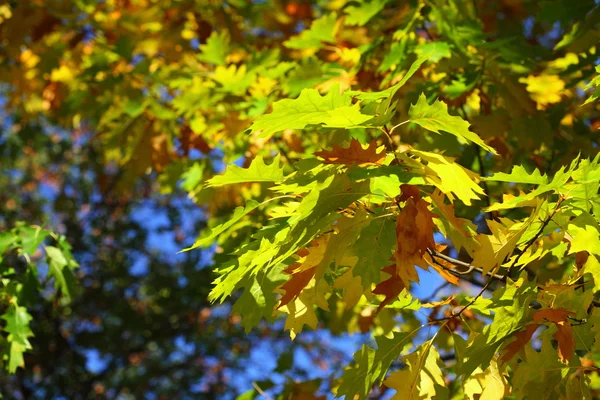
(115, 112)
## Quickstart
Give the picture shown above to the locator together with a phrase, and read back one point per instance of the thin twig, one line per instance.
(431, 297)
(470, 268)
(261, 392)
(539, 233)
(489, 282)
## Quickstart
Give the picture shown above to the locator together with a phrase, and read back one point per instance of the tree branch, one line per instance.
(470, 268)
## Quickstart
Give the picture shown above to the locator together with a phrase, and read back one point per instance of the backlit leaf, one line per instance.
(435, 117)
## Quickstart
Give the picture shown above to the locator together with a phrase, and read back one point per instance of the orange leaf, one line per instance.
(355, 154)
(551, 315)
(439, 303)
(521, 339)
(391, 287)
(565, 339)
(296, 284)
(564, 333)
(414, 235)
(409, 191)
(444, 273)
(448, 212)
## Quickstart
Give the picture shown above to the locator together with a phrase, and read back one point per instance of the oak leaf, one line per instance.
(354, 154)
(564, 333)
(521, 339)
(414, 235)
(391, 287)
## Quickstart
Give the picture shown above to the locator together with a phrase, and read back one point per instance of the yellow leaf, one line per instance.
(420, 378)
(451, 178)
(490, 384)
(495, 247)
(29, 58)
(62, 74)
(301, 311)
(544, 89)
(352, 287)
(262, 87)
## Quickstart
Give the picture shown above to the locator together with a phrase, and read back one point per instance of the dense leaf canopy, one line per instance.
(423, 175)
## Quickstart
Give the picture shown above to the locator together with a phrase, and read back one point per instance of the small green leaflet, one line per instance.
(594, 84)
(391, 91)
(216, 48)
(257, 301)
(371, 365)
(585, 231)
(363, 12)
(31, 238)
(59, 269)
(334, 110)
(520, 175)
(17, 326)
(435, 51)
(209, 236)
(557, 184)
(6, 241)
(321, 30)
(435, 118)
(258, 171)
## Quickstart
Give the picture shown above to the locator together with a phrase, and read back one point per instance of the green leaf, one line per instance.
(594, 84)
(435, 118)
(6, 241)
(257, 300)
(216, 48)
(258, 171)
(334, 110)
(31, 238)
(371, 365)
(59, 269)
(363, 12)
(391, 91)
(321, 30)
(374, 249)
(450, 177)
(538, 374)
(592, 267)
(585, 231)
(17, 326)
(510, 307)
(520, 175)
(208, 237)
(434, 51)
(558, 184)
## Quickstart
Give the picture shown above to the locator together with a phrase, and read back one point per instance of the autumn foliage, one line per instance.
(424, 172)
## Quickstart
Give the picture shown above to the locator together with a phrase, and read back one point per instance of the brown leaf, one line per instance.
(409, 191)
(564, 333)
(414, 235)
(440, 303)
(391, 287)
(160, 152)
(355, 154)
(552, 315)
(565, 339)
(190, 140)
(521, 339)
(296, 284)
(581, 258)
(442, 266)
